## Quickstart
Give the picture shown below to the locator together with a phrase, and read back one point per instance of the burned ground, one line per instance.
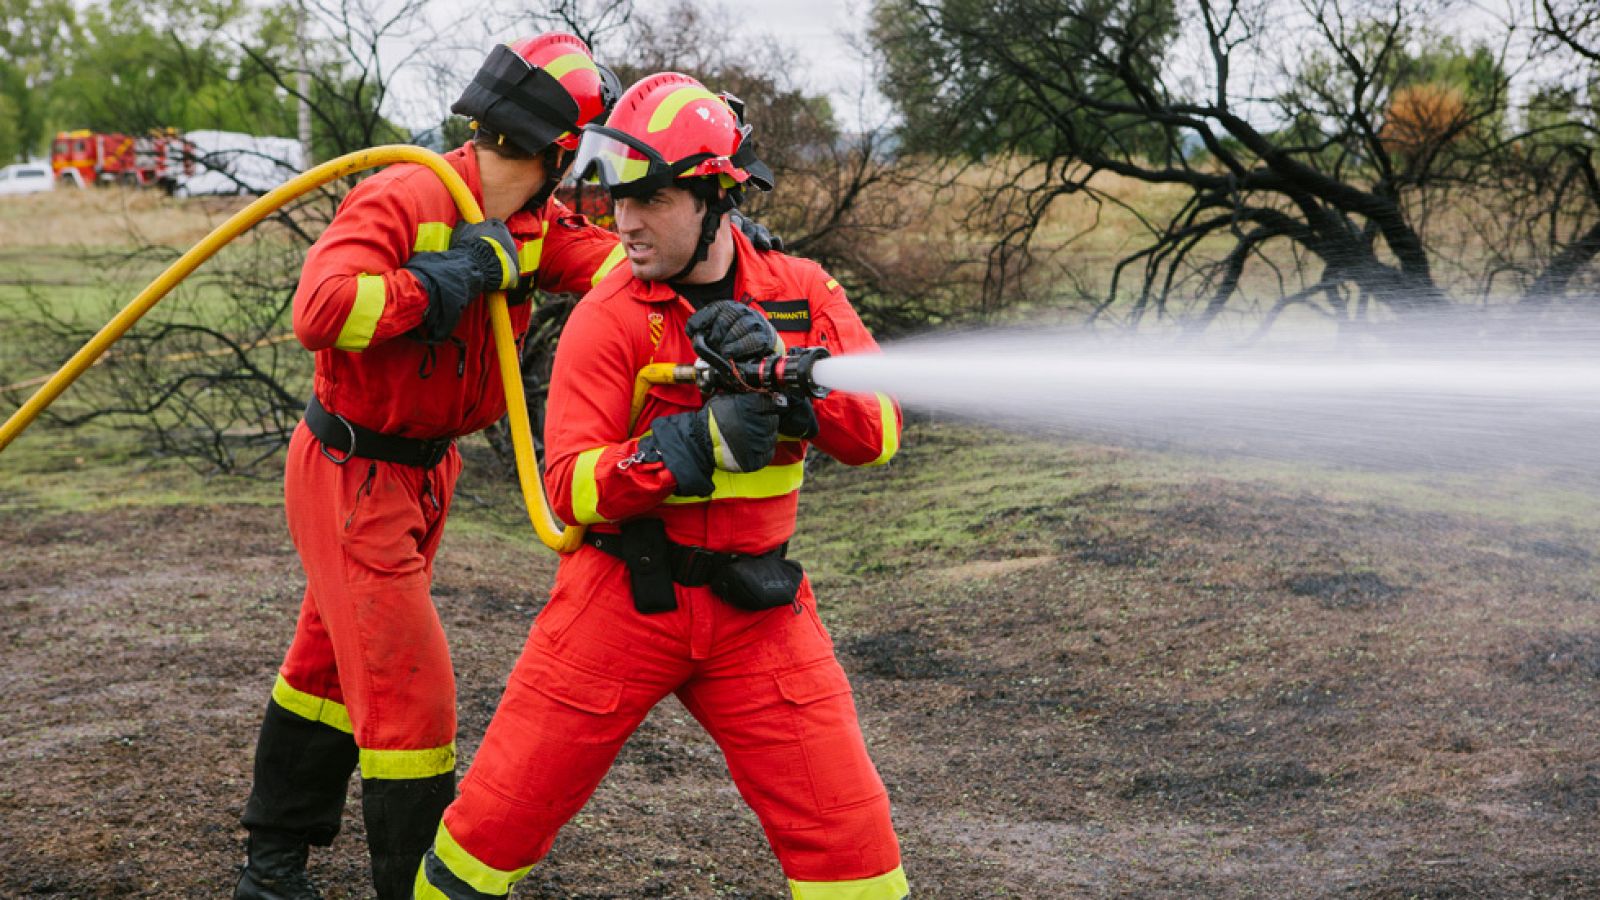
(1078, 677)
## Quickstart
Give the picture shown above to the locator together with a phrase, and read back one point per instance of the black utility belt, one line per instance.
(752, 582)
(338, 433)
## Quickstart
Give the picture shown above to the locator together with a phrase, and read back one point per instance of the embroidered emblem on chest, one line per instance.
(657, 327)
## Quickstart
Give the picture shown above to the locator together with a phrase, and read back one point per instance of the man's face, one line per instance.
(659, 232)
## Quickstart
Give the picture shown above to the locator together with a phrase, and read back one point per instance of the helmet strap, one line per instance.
(551, 157)
(710, 222)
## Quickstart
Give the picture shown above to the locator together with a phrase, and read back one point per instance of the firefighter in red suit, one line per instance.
(389, 301)
(682, 587)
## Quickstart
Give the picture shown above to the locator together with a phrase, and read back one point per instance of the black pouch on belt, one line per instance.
(648, 555)
(758, 582)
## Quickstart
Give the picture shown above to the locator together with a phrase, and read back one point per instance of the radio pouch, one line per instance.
(758, 582)
(648, 555)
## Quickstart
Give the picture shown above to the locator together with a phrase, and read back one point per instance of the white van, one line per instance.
(26, 178)
(227, 162)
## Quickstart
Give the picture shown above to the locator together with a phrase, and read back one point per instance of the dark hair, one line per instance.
(498, 145)
(705, 191)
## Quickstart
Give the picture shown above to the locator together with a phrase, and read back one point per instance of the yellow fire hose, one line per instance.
(555, 535)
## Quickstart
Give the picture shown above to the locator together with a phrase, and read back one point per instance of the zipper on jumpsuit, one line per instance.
(427, 490)
(364, 490)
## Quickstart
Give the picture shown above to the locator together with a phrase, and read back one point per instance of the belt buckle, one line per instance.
(349, 451)
(695, 565)
(436, 451)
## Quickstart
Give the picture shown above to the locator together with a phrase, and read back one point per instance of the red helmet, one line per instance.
(665, 127)
(539, 91)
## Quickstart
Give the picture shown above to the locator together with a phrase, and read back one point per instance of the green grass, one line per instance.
(51, 470)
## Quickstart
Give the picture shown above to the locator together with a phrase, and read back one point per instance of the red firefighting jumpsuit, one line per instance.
(766, 685)
(369, 656)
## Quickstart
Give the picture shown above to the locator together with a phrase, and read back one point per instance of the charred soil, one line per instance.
(1075, 681)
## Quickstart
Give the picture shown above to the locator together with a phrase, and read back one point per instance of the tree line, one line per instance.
(1347, 160)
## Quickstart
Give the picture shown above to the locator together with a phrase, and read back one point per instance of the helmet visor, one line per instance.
(617, 161)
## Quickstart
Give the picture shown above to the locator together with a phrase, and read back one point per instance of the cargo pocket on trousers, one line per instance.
(573, 686)
(830, 736)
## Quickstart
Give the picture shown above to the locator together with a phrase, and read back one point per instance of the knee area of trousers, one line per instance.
(845, 844)
(497, 831)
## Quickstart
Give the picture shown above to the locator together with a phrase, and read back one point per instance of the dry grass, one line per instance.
(112, 217)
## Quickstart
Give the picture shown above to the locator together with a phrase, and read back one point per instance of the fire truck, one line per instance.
(85, 158)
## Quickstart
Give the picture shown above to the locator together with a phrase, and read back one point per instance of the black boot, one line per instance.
(402, 816)
(275, 870)
(302, 770)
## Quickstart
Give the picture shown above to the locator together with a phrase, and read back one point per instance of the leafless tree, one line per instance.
(214, 375)
(1322, 142)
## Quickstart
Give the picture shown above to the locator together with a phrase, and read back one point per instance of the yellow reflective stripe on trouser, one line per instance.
(310, 706)
(480, 877)
(365, 312)
(888, 886)
(432, 237)
(610, 263)
(585, 491)
(408, 764)
(891, 433)
(773, 481)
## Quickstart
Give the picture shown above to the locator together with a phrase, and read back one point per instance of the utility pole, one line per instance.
(303, 84)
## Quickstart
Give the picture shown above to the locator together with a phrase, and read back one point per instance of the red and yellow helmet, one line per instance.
(665, 127)
(539, 91)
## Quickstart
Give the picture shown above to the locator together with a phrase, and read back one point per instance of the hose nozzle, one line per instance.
(781, 373)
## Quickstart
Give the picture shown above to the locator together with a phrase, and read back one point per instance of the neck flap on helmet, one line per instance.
(524, 103)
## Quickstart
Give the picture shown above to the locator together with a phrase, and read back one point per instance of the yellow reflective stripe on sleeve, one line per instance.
(888, 886)
(481, 877)
(365, 312)
(310, 706)
(610, 263)
(891, 434)
(408, 764)
(773, 481)
(528, 255)
(432, 237)
(585, 491)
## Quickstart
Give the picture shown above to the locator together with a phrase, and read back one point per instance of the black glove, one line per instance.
(758, 235)
(482, 257)
(732, 432)
(735, 331)
(797, 419)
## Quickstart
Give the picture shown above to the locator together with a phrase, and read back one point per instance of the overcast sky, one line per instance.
(818, 32)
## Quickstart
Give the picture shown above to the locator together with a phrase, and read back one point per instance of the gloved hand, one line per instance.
(732, 432)
(735, 331)
(482, 257)
(797, 419)
(759, 236)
